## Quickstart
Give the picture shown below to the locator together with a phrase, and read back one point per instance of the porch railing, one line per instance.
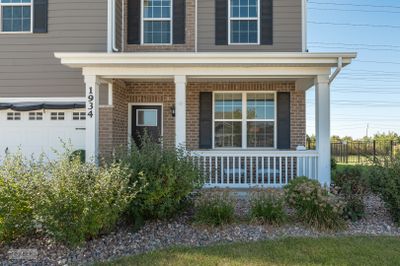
(243, 169)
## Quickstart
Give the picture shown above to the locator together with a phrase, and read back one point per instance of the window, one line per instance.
(157, 22)
(244, 21)
(16, 15)
(146, 117)
(57, 116)
(78, 116)
(13, 116)
(35, 116)
(244, 120)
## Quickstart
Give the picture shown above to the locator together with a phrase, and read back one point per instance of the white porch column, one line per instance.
(322, 126)
(92, 118)
(180, 111)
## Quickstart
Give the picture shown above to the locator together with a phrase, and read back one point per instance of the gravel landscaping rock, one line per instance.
(180, 231)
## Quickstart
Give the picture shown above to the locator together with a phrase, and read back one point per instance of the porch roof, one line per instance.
(203, 59)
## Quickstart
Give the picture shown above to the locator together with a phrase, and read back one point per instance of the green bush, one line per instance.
(354, 208)
(80, 200)
(214, 208)
(267, 206)
(167, 176)
(384, 177)
(314, 205)
(18, 178)
(352, 186)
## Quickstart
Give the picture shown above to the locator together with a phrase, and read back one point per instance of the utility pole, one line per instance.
(367, 130)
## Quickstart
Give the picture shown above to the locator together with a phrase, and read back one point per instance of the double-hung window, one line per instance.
(244, 21)
(16, 15)
(157, 22)
(244, 119)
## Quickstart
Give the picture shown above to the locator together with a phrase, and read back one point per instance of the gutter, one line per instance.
(337, 71)
(114, 41)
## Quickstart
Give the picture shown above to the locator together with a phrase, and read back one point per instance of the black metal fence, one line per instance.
(358, 152)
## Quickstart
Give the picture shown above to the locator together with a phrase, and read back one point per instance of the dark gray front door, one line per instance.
(146, 118)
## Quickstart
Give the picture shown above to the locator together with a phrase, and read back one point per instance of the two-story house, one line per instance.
(225, 79)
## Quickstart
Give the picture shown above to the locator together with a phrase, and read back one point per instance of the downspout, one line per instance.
(114, 41)
(195, 26)
(337, 71)
(109, 26)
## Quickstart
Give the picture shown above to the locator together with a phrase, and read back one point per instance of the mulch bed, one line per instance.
(180, 231)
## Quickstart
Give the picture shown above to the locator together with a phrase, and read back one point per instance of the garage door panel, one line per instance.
(44, 136)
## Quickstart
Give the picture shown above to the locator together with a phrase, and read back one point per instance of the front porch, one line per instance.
(234, 148)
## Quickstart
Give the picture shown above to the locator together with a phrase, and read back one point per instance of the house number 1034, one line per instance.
(90, 102)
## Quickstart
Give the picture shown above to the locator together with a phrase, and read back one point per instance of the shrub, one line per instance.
(214, 208)
(267, 206)
(167, 175)
(314, 205)
(80, 201)
(352, 186)
(18, 177)
(384, 177)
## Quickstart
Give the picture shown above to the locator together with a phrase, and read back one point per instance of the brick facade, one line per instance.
(115, 134)
(188, 46)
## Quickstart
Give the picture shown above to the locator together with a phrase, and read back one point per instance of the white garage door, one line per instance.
(41, 131)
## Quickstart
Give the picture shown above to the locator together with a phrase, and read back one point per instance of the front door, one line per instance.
(146, 119)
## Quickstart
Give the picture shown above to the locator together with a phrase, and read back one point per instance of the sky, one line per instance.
(368, 91)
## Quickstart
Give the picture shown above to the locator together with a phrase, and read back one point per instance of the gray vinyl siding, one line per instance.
(28, 67)
(287, 29)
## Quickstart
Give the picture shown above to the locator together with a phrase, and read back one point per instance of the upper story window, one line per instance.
(157, 21)
(244, 21)
(16, 15)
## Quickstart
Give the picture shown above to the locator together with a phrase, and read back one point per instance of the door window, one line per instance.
(146, 117)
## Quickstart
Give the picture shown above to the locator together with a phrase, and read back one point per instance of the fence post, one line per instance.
(374, 149)
(391, 150)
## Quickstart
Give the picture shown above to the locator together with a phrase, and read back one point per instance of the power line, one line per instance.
(354, 10)
(358, 48)
(355, 24)
(359, 44)
(358, 5)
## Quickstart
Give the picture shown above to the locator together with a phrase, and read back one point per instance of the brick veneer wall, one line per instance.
(297, 102)
(188, 46)
(163, 92)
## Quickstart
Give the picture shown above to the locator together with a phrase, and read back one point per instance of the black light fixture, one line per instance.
(173, 110)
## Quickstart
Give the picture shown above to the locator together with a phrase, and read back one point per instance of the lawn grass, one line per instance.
(289, 251)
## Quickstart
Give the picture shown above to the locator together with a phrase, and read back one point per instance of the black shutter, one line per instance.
(283, 106)
(134, 21)
(40, 16)
(179, 10)
(205, 130)
(221, 22)
(266, 21)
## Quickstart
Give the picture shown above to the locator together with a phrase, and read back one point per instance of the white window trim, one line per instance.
(143, 19)
(15, 4)
(230, 19)
(244, 121)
